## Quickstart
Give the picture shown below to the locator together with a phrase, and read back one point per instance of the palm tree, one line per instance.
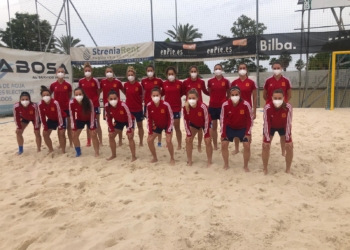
(285, 58)
(299, 65)
(62, 44)
(184, 33)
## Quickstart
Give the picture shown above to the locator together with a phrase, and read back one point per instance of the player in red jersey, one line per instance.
(236, 121)
(278, 116)
(92, 88)
(148, 84)
(196, 117)
(193, 82)
(277, 81)
(82, 114)
(134, 93)
(218, 88)
(119, 112)
(159, 117)
(107, 85)
(248, 92)
(62, 92)
(26, 111)
(173, 91)
(56, 118)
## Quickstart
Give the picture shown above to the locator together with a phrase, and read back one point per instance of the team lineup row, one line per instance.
(234, 105)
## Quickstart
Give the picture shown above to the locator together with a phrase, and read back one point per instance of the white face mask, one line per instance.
(46, 98)
(60, 75)
(131, 78)
(87, 73)
(171, 78)
(150, 74)
(113, 102)
(79, 98)
(192, 102)
(25, 103)
(155, 99)
(235, 99)
(109, 74)
(218, 72)
(277, 103)
(242, 72)
(193, 75)
(277, 72)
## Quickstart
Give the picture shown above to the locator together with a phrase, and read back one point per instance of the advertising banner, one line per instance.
(26, 71)
(323, 4)
(113, 54)
(219, 49)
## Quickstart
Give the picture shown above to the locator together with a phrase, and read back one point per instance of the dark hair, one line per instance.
(25, 94)
(194, 66)
(112, 92)
(218, 64)
(156, 89)
(170, 68)
(152, 67)
(85, 103)
(246, 66)
(235, 88)
(109, 68)
(276, 62)
(44, 89)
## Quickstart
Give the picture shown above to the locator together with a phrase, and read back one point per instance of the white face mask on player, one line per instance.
(277, 103)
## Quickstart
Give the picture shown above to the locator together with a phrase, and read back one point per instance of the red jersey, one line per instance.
(272, 84)
(133, 93)
(218, 91)
(76, 113)
(198, 84)
(62, 93)
(199, 117)
(277, 118)
(238, 117)
(148, 85)
(247, 86)
(29, 113)
(119, 113)
(107, 85)
(161, 117)
(53, 112)
(173, 93)
(91, 88)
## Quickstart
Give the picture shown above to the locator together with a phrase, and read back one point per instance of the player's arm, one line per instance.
(186, 122)
(223, 119)
(109, 119)
(149, 121)
(72, 116)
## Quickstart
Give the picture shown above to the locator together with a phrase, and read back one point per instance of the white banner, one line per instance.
(323, 4)
(113, 54)
(26, 71)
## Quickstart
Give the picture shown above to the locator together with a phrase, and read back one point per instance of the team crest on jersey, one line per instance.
(178, 86)
(284, 115)
(31, 112)
(155, 82)
(241, 111)
(283, 84)
(199, 113)
(52, 109)
(93, 84)
(162, 111)
(199, 86)
(121, 112)
(65, 87)
(136, 89)
(223, 84)
(114, 85)
(247, 84)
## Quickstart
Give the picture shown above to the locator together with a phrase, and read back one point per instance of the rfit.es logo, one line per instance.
(274, 44)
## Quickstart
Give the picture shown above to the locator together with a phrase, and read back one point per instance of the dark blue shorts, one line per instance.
(81, 124)
(54, 124)
(158, 130)
(121, 125)
(144, 110)
(214, 113)
(177, 115)
(194, 126)
(26, 121)
(280, 131)
(97, 110)
(138, 116)
(67, 112)
(232, 133)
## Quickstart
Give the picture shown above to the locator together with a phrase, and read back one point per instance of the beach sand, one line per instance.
(62, 202)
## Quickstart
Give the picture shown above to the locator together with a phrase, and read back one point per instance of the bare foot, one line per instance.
(284, 154)
(288, 171)
(134, 158)
(63, 151)
(246, 170)
(38, 150)
(189, 163)
(111, 158)
(101, 144)
(154, 160)
(178, 148)
(172, 162)
(141, 144)
(97, 155)
(265, 171)
(225, 167)
(236, 151)
(215, 148)
(50, 151)
(120, 143)
(199, 149)
(209, 164)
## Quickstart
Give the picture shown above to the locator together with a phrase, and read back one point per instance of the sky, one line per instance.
(117, 22)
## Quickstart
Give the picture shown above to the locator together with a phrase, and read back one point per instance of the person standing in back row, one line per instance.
(91, 87)
(277, 81)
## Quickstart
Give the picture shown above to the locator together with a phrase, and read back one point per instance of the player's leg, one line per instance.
(246, 155)
(112, 143)
(76, 141)
(209, 150)
(189, 145)
(99, 130)
(38, 139)
(214, 133)
(266, 154)
(141, 132)
(178, 133)
(62, 139)
(19, 136)
(224, 152)
(132, 145)
(289, 156)
(150, 142)
(170, 148)
(47, 139)
(200, 139)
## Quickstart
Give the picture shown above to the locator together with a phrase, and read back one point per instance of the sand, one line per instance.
(62, 202)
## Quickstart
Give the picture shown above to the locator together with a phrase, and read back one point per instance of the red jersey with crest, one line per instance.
(119, 113)
(247, 86)
(218, 91)
(198, 84)
(148, 84)
(236, 117)
(199, 117)
(29, 113)
(278, 118)
(107, 85)
(62, 93)
(52, 111)
(173, 93)
(272, 84)
(76, 113)
(133, 93)
(161, 117)
(91, 88)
